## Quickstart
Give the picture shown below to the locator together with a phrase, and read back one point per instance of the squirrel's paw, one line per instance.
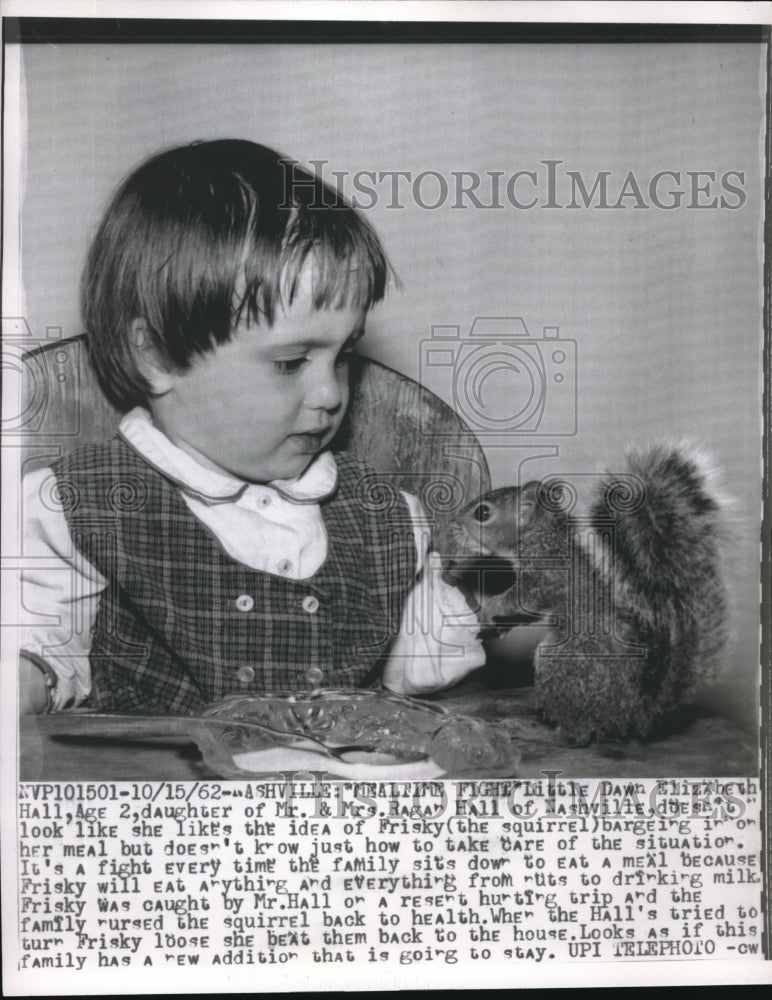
(575, 736)
(575, 739)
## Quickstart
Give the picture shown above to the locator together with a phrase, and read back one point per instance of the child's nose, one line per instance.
(326, 393)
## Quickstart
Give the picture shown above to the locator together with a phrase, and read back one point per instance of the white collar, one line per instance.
(137, 429)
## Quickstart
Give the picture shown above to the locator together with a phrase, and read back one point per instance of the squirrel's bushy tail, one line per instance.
(669, 522)
(661, 560)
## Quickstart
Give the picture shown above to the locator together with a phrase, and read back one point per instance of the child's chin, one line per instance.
(295, 470)
(290, 469)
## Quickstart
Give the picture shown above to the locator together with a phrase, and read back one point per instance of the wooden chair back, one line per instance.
(409, 436)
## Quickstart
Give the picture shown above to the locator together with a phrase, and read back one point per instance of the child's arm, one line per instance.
(61, 590)
(438, 642)
(35, 685)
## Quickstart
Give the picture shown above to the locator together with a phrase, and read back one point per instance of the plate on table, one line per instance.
(358, 734)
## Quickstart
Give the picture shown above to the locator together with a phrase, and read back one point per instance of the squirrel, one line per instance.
(633, 589)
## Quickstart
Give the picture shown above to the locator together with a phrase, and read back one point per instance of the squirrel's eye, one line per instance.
(482, 513)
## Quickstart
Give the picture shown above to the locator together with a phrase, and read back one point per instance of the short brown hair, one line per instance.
(204, 234)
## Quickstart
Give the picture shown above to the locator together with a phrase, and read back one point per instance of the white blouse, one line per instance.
(261, 526)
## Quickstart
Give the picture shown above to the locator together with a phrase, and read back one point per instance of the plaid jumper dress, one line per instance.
(181, 623)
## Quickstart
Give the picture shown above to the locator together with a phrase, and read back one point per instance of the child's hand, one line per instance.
(33, 690)
(438, 643)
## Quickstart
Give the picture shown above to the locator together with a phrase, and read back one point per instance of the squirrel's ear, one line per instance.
(530, 492)
(528, 499)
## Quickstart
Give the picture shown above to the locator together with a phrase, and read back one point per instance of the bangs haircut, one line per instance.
(205, 236)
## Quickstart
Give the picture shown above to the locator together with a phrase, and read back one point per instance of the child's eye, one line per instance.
(290, 367)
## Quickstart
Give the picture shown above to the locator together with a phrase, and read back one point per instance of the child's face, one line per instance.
(264, 404)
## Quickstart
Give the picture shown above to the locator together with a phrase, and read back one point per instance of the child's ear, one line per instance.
(152, 366)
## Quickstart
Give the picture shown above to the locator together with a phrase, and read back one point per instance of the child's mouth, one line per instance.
(312, 440)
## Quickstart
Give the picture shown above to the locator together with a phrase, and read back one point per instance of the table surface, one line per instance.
(701, 745)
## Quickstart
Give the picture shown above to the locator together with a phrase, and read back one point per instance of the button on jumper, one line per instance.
(314, 676)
